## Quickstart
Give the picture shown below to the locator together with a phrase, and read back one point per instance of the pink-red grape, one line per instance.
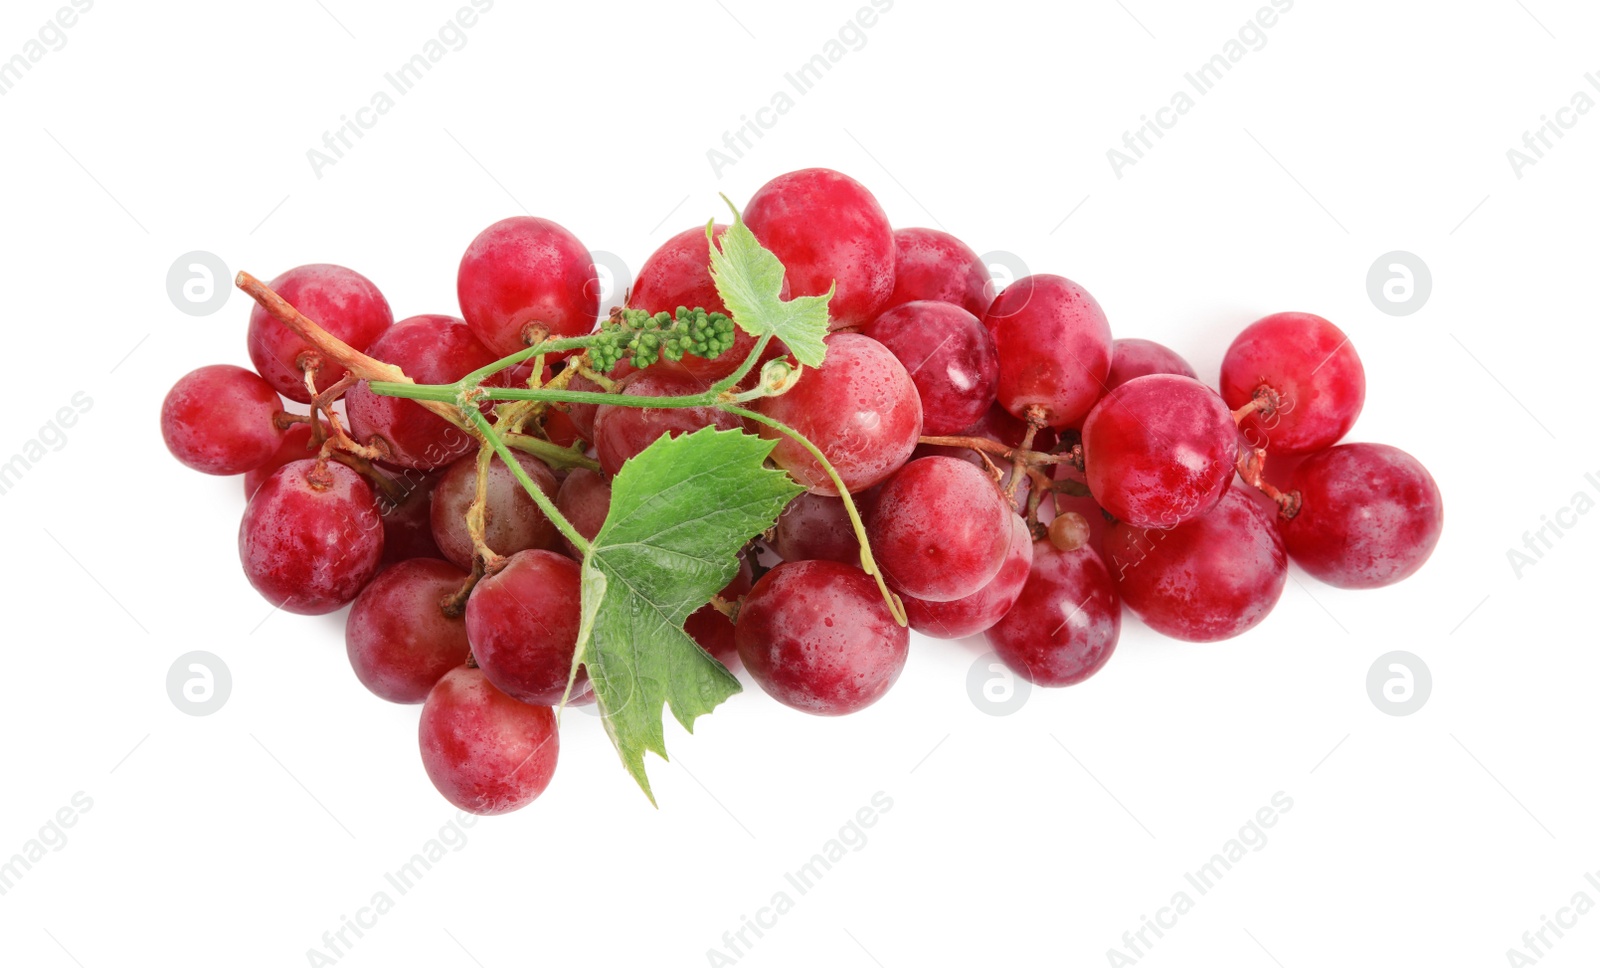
(486, 752)
(341, 301)
(513, 522)
(713, 630)
(399, 639)
(818, 637)
(1065, 623)
(1159, 450)
(827, 230)
(296, 445)
(950, 357)
(311, 537)
(1054, 345)
(219, 420)
(860, 408)
(622, 433)
(523, 271)
(984, 607)
(430, 349)
(1207, 579)
(817, 526)
(930, 264)
(408, 517)
(522, 622)
(584, 499)
(1315, 372)
(940, 529)
(1369, 515)
(1132, 358)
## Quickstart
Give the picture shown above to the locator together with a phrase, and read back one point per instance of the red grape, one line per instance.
(984, 607)
(930, 264)
(817, 526)
(584, 500)
(582, 414)
(1315, 372)
(950, 357)
(1159, 450)
(398, 637)
(1131, 358)
(1369, 515)
(311, 537)
(1065, 624)
(408, 518)
(713, 630)
(486, 752)
(622, 432)
(1054, 345)
(341, 301)
(522, 271)
(1207, 579)
(940, 529)
(296, 445)
(827, 230)
(679, 275)
(430, 349)
(818, 637)
(219, 420)
(860, 409)
(513, 522)
(522, 622)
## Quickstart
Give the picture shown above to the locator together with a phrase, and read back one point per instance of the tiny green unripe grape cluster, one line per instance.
(645, 339)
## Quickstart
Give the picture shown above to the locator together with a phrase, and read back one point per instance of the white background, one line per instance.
(1037, 838)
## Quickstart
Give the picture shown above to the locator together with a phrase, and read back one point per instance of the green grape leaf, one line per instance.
(749, 279)
(680, 513)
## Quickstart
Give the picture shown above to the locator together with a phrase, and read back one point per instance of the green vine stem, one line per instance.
(553, 454)
(868, 563)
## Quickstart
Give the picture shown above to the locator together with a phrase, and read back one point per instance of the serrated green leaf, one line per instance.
(749, 279)
(680, 513)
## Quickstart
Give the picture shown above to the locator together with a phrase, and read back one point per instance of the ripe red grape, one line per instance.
(582, 414)
(296, 445)
(513, 522)
(1207, 579)
(584, 499)
(1369, 515)
(1159, 450)
(341, 301)
(522, 622)
(623, 432)
(827, 230)
(311, 537)
(430, 349)
(713, 630)
(1132, 358)
(486, 752)
(1065, 623)
(679, 275)
(950, 357)
(940, 529)
(860, 408)
(1054, 345)
(1315, 372)
(522, 271)
(399, 639)
(930, 264)
(818, 637)
(408, 518)
(219, 420)
(984, 607)
(816, 526)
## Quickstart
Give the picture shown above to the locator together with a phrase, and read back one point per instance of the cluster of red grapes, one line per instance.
(1020, 474)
